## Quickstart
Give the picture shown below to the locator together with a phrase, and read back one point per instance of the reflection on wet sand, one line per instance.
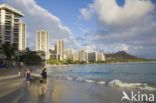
(9, 84)
(59, 91)
(56, 92)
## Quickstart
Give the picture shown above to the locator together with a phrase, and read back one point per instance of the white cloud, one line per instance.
(130, 28)
(38, 18)
(139, 40)
(87, 13)
(111, 14)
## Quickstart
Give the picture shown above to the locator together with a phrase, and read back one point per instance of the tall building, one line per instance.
(68, 53)
(96, 56)
(100, 57)
(59, 49)
(42, 42)
(75, 57)
(9, 25)
(92, 57)
(83, 55)
(22, 36)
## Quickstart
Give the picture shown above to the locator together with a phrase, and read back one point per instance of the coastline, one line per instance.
(54, 65)
(59, 90)
(10, 69)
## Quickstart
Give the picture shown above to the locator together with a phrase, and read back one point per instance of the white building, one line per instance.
(95, 56)
(59, 49)
(42, 42)
(22, 36)
(9, 25)
(68, 53)
(100, 57)
(83, 55)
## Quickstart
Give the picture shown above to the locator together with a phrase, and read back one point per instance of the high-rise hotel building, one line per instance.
(9, 25)
(59, 49)
(22, 36)
(42, 42)
(83, 55)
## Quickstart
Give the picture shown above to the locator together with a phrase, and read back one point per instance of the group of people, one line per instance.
(43, 78)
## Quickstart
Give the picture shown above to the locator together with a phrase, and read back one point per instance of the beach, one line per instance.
(63, 87)
(13, 90)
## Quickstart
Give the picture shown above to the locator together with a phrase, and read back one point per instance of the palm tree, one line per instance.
(8, 51)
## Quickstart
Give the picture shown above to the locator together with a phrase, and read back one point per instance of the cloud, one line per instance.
(130, 28)
(140, 39)
(87, 13)
(38, 18)
(109, 13)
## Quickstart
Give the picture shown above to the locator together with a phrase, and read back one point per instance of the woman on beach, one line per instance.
(43, 80)
(28, 77)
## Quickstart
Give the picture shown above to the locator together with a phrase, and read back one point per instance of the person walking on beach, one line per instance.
(28, 77)
(43, 80)
(19, 71)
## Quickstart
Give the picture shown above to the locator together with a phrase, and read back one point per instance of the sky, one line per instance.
(105, 26)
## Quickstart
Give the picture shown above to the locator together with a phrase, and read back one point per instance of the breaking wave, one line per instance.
(121, 84)
(113, 83)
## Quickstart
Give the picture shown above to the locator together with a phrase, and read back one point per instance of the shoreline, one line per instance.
(6, 70)
(10, 69)
(54, 65)
(59, 91)
(13, 86)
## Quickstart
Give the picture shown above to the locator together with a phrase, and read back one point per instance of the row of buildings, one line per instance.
(14, 32)
(59, 53)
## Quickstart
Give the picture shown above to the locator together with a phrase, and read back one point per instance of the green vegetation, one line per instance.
(11, 55)
(30, 58)
(8, 52)
(127, 60)
(59, 62)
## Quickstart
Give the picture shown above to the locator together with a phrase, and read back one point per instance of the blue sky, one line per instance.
(95, 25)
(69, 13)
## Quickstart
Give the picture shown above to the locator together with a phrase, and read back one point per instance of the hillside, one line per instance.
(121, 55)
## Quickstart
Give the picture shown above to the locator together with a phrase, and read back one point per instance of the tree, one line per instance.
(30, 57)
(8, 51)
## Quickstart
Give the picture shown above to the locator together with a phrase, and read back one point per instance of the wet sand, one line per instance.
(14, 90)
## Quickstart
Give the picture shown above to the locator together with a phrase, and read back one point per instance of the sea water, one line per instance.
(124, 75)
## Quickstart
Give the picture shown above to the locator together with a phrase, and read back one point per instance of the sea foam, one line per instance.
(142, 86)
(113, 83)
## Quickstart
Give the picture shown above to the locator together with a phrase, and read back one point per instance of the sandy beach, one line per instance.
(13, 89)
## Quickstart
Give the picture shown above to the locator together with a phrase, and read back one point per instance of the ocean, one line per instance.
(140, 76)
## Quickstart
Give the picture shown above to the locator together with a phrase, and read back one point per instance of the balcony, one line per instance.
(15, 40)
(16, 22)
(7, 29)
(8, 24)
(7, 38)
